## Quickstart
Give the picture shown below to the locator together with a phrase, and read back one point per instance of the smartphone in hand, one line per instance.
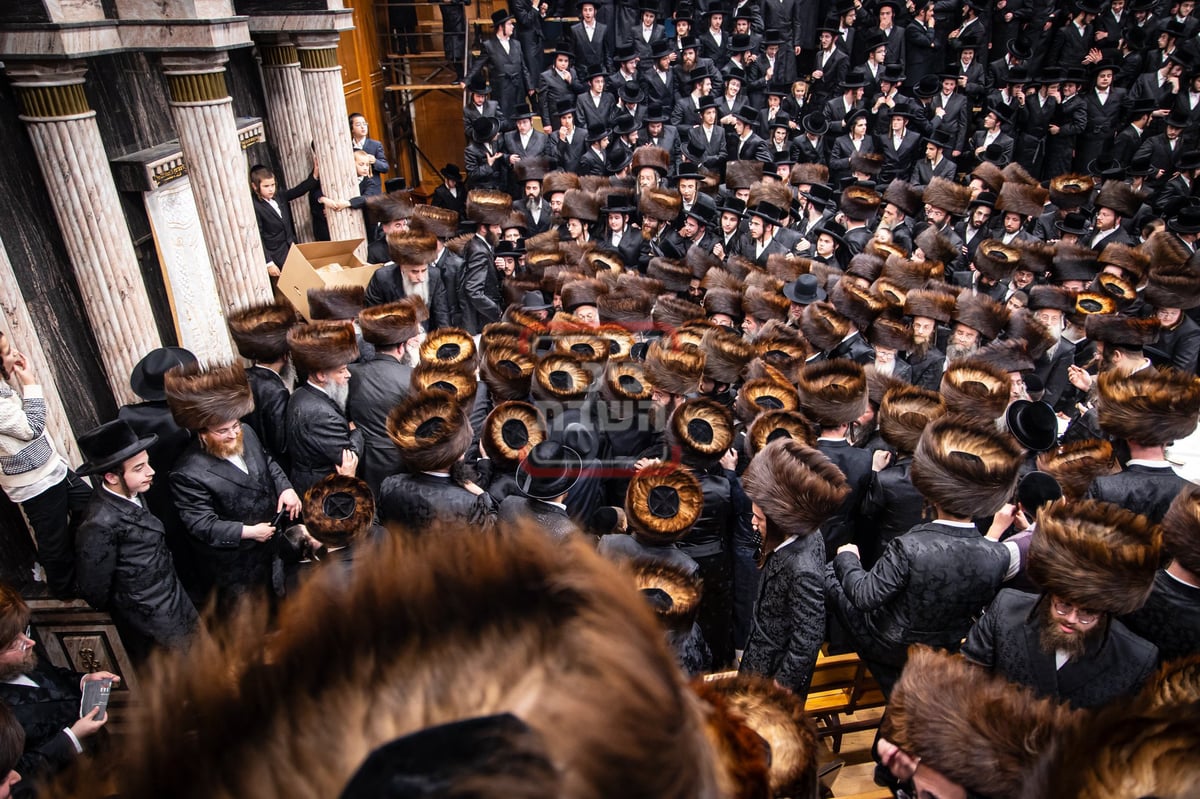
(95, 694)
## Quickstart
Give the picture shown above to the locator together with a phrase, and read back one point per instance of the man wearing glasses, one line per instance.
(45, 699)
(1094, 561)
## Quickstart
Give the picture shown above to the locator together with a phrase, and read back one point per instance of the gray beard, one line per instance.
(340, 394)
(415, 289)
(288, 374)
(956, 351)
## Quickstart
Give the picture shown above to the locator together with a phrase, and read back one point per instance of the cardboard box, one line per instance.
(320, 264)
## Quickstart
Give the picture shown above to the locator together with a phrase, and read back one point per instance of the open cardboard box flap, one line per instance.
(319, 264)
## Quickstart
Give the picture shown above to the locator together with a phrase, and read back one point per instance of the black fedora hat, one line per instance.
(1033, 424)
(1188, 159)
(892, 73)
(535, 301)
(109, 445)
(655, 113)
(819, 194)
(500, 17)
(940, 137)
(146, 380)
(816, 124)
(731, 205)
(479, 85)
(704, 211)
(597, 131)
(632, 93)
(1017, 75)
(522, 110)
(1074, 223)
(855, 79)
(1186, 221)
(927, 86)
(1020, 49)
(1178, 118)
(484, 129)
(549, 471)
(768, 212)
(660, 48)
(804, 290)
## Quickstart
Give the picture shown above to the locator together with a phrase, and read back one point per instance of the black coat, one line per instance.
(269, 417)
(927, 372)
(216, 499)
(418, 501)
(479, 286)
(889, 508)
(789, 615)
(855, 464)
(1005, 640)
(387, 285)
(1147, 490)
(1170, 619)
(508, 72)
(375, 388)
(43, 713)
(123, 566)
(926, 588)
(276, 228)
(551, 518)
(1181, 344)
(318, 432)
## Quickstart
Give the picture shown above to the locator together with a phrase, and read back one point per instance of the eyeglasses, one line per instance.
(1064, 609)
(228, 430)
(24, 641)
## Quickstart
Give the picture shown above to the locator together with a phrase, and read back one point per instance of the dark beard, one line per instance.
(27, 664)
(1055, 640)
(919, 350)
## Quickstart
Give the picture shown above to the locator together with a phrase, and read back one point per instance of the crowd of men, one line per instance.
(870, 330)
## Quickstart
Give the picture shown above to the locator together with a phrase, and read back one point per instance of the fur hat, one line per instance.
(630, 309)
(1015, 173)
(1120, 197)
(588, 348)
(1071, 191)
(1166, 248)
(823, 326)
(765, 304)
(976, 389)
(935, 246)
(409, 247)
(579, 204)
(449, 346)
(1051, 297)
(906, 411)
(207, 397)
(577, 293)
(781, 346)
(702, 430)
(726, 354)
(559, 181)
(1022, 199)
(1073, 262)
(991, 176)
(930, 303)
(460, 381)
(1007, 356)
(488, 207)
(981, 313)
(1122, 330)
(776, 716)
(1150, 406)
(335, 302)
(909, 275)
(859, 305)
(507, 369)
(809, 174)
(661, 204)
(319, 346)
(561, 376)
(724, 301)
(764, 394)
(859, 203)
(1134, 261)
(770, 425)
(1174, 284)
(674, 274)
(675, 370)
(1095, 555)
(338, 510)
(978, 729)
(441, 222)
(430, 429)
(655, 158)
(684, 589)
(904, 196)
(996, 260)
(671, 312)
(1075, 465)
(625, 381)
(966, 468)
(510, 431)
(1181, 528)
(663, 501)
(260, 332)
(394, 322)
(866, 266)
(867, 163)
(797, 486)
(742, 174)
(950, 197)
(890, 334)
(832, 392)
(1025, 328)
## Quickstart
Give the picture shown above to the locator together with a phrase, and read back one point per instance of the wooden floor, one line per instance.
(857, 775)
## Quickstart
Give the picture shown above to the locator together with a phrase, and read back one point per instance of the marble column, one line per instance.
(203, 114)
(17, 327)
(324, 89)
(79, 181)
(291, 129)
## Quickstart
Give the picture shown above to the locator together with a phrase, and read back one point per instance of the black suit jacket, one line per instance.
(479, 286)
(276, 229)
(269, 417)
(418, 501)
(595, 52)
(1005, 640)
(855, 464)
(318, 432)
(1147, 490)
(387, 285)
(375, 388)
(442, 198)
(1170, 619)
(44, 713)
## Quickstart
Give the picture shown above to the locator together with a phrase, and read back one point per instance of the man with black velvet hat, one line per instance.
(544, 477)
(505, 60)
(123, 565)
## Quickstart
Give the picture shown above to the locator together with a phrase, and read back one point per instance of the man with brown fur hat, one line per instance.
(320, 437)
(1093, 561)
(228, 489)
(1170, 619)
(930, 582)
(260, 334)
(408, 273)
(478, 289)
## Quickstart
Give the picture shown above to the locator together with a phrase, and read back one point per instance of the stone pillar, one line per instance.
(203, 114)
(331, 131)
(80, 183)
(17, 327)
(291, 129)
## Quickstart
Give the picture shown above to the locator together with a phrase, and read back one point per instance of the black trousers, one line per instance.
(53, 515)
